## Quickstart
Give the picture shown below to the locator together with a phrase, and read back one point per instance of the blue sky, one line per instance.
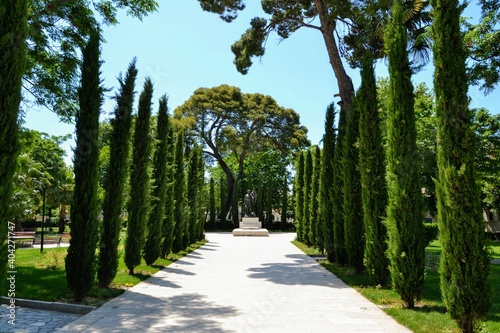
(181, 48)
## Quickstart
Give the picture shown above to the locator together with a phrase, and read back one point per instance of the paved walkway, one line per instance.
(240, 284)
(29, 320)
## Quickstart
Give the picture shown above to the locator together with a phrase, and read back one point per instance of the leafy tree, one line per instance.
(352, 206)
(152, 248)
(228, 122)
(139, 204)
(179, 195)
(80, 260)
(406, 249)
(299, 195)
(464, 260)
(116, 178)
(306, 209)
(338, 192)
(57, 29)
(13, 30)
(327, 182)
(372, 170)
(314, 227)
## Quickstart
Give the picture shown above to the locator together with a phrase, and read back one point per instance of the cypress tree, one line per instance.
(80, 260)
(116, 178)
(284, 204)
(202, 196)
(338, 193)
(353, 207)
(464, 260)
(139, 205)
(179, 194)
(168, 220)
(406, 246)
(193, 195)
(152, 248)
(212, 203)
(327, 185)
(372, 169)
(314, 225)
(299, 195)
(306, 213)
(13, 32)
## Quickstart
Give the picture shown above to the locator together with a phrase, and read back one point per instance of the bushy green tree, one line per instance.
(372, 170)
(406, 246)
(13, 31)
(80, 260)
(152, 248)
(327, 182)
(139, 205)
(116, 178)
(352, 207)
(299, 196)
(314, 224)
(179, 195)
(464, 260)
(306, 213)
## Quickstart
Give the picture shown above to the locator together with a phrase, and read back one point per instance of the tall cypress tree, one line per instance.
(306, 213)
(168, 220)
(212, 203)
(464, 260)
(284, 203)
(353, 207)
(179, 194)
(327, 184)
(116, 178)
(314, 224)
(202, 196)
(193, 195)
(13, 32)
(80, 260)
(299, 195)
(152, 248)
(406, 246)
(338, 193)
(139, 205)
(372, 169)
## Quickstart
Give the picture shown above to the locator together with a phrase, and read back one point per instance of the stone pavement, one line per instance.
(240, 284)
(33, 320)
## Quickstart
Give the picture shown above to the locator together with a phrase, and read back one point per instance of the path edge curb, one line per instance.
(51, 306)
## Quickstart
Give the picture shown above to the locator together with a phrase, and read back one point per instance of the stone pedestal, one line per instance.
(250, 226)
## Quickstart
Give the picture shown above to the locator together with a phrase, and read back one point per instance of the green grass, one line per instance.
(41, 276)
(430, 315)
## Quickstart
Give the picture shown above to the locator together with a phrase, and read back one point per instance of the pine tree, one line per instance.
(406, 246)
(179, 194)
(327, 184)
(13, 32)
(299, 195)
(139, 205)
(372, 169)
(353, 207)
(168, 220)
(464, 261)
(338, 193)
(152, 248)
(212, 203)
(314, 224)
(306, 213)
(80, 260)
(116, 179)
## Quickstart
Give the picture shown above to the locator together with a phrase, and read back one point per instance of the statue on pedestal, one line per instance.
(249, 201)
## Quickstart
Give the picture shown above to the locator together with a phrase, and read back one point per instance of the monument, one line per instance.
(250, 224)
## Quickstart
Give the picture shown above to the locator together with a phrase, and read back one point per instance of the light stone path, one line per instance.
(240, 284)
(29, 320)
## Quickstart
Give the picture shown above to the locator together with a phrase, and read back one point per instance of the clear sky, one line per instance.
(181, 48)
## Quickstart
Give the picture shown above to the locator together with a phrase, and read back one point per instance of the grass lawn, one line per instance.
(41, 276)
(430, 315)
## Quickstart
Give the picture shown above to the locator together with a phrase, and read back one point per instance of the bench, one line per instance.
(65, 237)
(22, 237)
(47, 241)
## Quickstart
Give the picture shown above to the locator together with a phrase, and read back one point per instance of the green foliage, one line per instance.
(315, 230)
(139, 204)
(13, 30)
(179, 193)
(338, 192)
(307, 189)
(80, 261)
(168, 221)
(406, 247)
(327, 184)
(299, 196)
(372, 171)
(194, 194)
(352, 207)
(212, 202)
(464, 264)
(152, 248)
(235, 215)
(431, 232)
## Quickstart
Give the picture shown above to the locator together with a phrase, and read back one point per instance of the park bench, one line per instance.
(65, 237)
(47, 240)
(23, 237)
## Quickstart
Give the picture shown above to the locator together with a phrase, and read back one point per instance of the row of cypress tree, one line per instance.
(159, 220)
